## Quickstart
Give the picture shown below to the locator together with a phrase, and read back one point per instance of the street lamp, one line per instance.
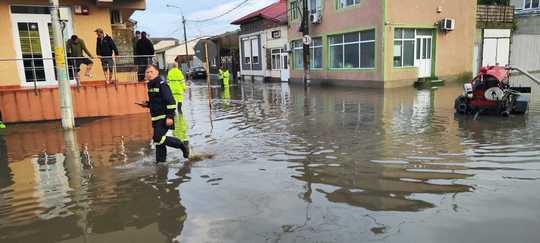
(185, 35)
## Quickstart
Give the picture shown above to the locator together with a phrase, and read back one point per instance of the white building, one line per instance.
(263, 43)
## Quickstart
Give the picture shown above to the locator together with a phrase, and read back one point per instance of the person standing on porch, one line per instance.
(144, 50)
(75, 47)
(105, 48)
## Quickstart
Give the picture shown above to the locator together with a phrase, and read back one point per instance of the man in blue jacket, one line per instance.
(105, 48)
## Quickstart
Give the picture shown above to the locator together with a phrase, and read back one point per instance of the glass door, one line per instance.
(423, 48)
(32, 31)
(34, 52)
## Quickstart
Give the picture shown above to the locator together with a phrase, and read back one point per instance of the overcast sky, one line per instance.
(161, 21)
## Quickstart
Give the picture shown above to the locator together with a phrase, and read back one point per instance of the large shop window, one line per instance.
(316, 51)
(404, 48)
(347, 3)
(352, 50)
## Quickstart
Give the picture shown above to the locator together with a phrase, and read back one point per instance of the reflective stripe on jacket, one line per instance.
(160, 100)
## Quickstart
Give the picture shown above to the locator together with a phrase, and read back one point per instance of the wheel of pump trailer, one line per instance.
(461, 106)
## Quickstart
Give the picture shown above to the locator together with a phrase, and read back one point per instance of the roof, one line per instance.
(179, 49)
(158, 39)
(276, 12)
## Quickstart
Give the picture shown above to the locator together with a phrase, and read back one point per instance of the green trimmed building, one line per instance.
(384, 43)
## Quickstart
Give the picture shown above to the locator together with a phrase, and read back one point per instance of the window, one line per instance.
(294, 10)
(316, 52)
(247, 51)
(276, 59)
(116, 17)
(347, 3)
(255, 50)
(30, 10)
(314, 6)
(352, 50)
(404, 47)
(529, 4)
(276, 34)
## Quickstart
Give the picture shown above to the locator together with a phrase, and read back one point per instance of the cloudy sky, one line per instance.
(162, 21)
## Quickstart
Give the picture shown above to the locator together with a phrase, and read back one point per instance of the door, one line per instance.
(284, 67)
(33, 37)
(423, 52)
(496, 47)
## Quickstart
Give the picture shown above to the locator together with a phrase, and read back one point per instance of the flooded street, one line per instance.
(280, 164)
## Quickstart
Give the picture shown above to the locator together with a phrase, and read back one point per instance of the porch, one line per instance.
(91, 99)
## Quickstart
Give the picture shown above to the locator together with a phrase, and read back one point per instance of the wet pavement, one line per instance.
(280, 164)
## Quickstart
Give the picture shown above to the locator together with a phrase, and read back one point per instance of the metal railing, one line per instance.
(39, 72)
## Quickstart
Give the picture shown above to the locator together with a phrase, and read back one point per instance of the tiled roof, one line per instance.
(276, 12)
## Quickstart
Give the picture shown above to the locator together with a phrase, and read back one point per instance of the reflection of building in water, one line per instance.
(110, 140)
(53, 192)
(377, 132)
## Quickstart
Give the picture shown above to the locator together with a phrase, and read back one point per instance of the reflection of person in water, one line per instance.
(181, 129)
(172, 214)
(5, 171)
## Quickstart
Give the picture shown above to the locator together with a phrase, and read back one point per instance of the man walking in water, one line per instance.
(162, 109)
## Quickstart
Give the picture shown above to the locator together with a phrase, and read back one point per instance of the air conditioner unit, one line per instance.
(316, 16)
(447, 24)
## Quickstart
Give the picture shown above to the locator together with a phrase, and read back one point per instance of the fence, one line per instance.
(494, 15)
(33, 71)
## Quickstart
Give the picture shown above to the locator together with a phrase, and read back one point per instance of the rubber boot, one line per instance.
(176, 143)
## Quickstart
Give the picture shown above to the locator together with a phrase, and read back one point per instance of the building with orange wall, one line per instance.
(27, 72)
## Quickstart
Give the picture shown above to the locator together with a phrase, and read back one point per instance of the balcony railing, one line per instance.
(495, 16)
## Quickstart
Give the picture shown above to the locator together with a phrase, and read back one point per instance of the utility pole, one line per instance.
(208, 80)
(185, 41)
(64, 89)
(185, 33)
(306, 41)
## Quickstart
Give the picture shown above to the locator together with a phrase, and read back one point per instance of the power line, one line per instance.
(221, 15)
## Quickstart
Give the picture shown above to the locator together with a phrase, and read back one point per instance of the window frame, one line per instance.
(253, 56)
(275, 55)
(531, 3)
(294, 10)
(277, 34)
(359, 43)
(340, 5)
(247, 50)
(300, 50)
(403, 39)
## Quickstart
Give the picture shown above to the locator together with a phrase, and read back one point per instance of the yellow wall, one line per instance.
(83, 26)
(454, 50)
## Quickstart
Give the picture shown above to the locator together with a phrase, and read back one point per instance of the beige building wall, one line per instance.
(83, 26)
(367, 15)
(454, 49)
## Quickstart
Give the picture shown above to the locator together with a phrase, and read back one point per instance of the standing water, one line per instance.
(288, 164)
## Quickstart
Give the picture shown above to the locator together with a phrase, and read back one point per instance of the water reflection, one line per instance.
(292, 164)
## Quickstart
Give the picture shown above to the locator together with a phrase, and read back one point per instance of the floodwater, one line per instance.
(280, 164)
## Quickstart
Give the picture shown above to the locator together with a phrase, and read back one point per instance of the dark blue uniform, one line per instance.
(162, 106)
